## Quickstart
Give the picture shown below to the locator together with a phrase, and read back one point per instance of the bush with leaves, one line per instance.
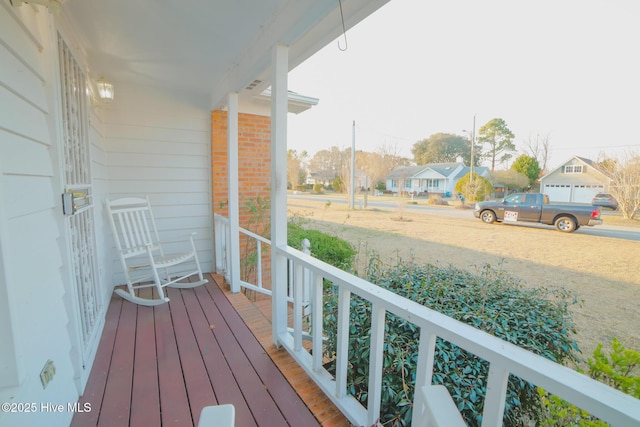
(325, 247)
(476, 190)
(535, 319)
(620, 370)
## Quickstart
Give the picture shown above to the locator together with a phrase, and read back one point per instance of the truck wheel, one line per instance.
(565, 224)
(488, 216)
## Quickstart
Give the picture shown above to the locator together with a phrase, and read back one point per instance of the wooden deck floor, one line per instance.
(159, 366)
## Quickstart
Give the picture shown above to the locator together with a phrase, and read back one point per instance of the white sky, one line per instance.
(565, 68)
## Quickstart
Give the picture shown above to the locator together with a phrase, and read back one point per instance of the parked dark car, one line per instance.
(605, 200)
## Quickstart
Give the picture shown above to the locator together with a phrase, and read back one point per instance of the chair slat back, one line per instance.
(133, 226)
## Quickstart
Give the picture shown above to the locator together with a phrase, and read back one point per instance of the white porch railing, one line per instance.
(602, 401)
(223, 255)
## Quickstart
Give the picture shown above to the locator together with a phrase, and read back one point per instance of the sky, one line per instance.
(568, 70)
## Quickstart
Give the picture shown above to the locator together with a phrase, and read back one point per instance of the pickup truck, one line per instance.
(535, 207)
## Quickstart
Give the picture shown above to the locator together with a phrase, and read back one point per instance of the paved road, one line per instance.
(605, 230)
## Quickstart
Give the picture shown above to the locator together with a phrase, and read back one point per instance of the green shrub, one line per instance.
(535, 319)
(621, 370)
(327, 248)
(318, 188)
(476, 190)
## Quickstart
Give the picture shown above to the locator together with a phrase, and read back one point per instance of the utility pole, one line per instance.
(473, 147)
(472, 136)
(353, 166)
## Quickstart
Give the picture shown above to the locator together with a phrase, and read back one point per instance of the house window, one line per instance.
(573, 169)
(394, 183)
(433, 183)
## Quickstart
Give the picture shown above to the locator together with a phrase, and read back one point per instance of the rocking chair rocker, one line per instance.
(144, 263)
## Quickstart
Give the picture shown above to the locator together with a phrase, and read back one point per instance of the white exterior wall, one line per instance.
(33, 286)
(157, 145)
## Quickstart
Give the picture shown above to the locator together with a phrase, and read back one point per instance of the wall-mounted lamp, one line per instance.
(105, 89)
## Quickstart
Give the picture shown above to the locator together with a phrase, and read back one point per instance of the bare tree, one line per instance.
(539, 147)
(625, 181)
(376, 166)
(392, 157)
(326, 164)
(295, 167)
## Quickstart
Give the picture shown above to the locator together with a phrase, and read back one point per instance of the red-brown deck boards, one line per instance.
(116, 402)
(145, 399)
(224, 384)
(174, 404)
(260, 402)
(158, 366)
(296, 414)
(94, 390)
(199, 390)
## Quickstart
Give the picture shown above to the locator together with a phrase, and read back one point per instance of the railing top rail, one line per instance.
(600, 399)
(251, 234)
(221, 218)
(255, 236)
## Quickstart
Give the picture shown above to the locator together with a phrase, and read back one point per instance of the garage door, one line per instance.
(558, 192)
(584, 193)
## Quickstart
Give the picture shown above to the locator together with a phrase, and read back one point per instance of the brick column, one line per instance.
(254, 177)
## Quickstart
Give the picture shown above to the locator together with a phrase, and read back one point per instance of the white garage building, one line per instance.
(575, 181)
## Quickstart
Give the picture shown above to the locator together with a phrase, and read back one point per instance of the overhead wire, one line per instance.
(344, 30)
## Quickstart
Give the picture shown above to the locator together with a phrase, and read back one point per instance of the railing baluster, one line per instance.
(376, 358)
(306, 249)
(227, 239)
(259, 261)
(316, 319)
(424, 371)
(297, 307)
(495, 399)
(342, 348)
(290, 282)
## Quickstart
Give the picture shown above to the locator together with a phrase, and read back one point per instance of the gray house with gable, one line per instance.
(575, 181)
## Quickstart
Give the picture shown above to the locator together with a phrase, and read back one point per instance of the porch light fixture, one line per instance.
(105, 89)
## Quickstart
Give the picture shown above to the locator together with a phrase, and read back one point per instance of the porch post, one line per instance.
(233, 196)
(279, 109)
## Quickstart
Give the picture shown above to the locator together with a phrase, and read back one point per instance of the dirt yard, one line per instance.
(603, 273)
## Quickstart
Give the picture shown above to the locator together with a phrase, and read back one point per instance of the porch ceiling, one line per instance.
(203, 49)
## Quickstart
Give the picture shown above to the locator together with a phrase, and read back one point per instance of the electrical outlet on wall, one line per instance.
(47, 373)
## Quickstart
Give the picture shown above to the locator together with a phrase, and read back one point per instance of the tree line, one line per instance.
(494, 143)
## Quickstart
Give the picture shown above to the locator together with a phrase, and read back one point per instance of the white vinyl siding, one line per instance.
(33, 320)
(159, 147)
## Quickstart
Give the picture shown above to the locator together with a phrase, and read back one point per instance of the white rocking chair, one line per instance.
(144, 263)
